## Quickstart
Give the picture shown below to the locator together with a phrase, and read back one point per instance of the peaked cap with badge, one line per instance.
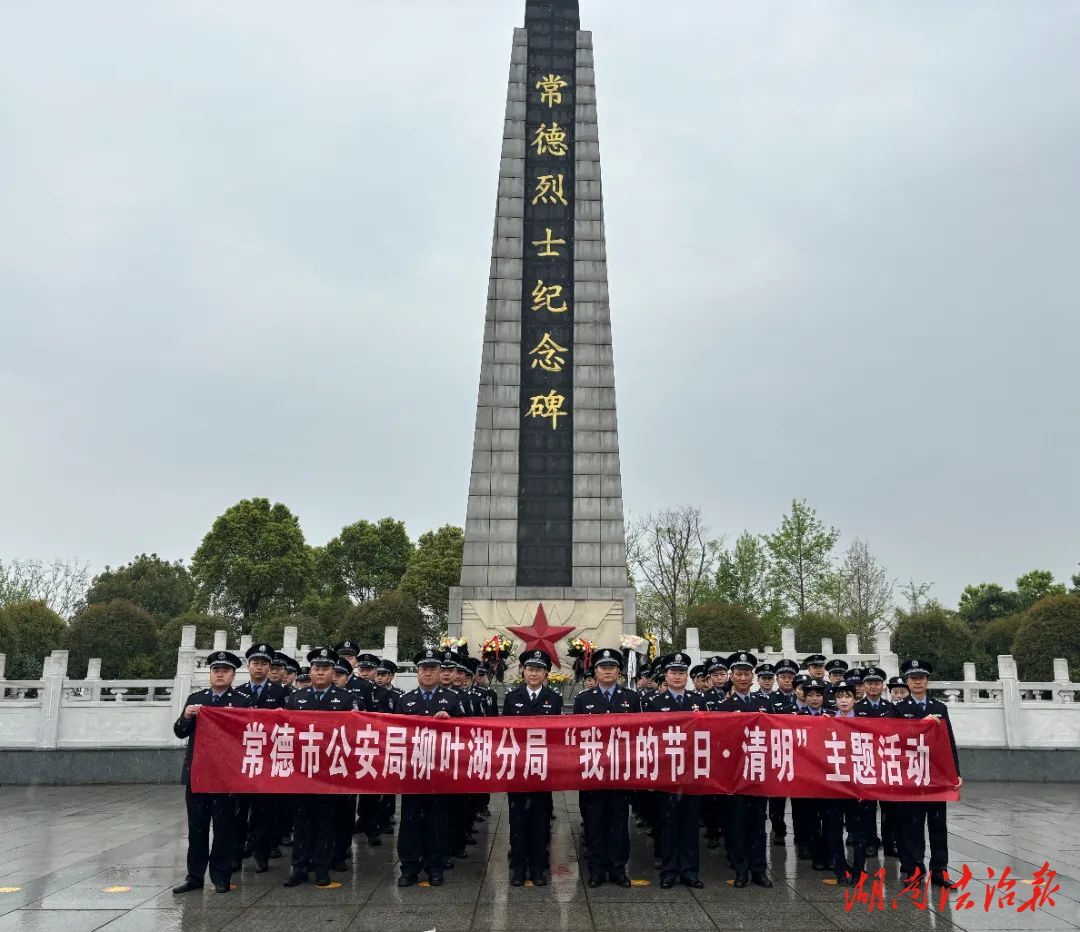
(347, 649)
(322, 656)
(680, 660)
(223, 658)
(915, 668)
(786, 666)
(743, 659)
(427, 657)
(260, 652)
(536, 658)
(815, 660)
(607, 655)
(836, 665)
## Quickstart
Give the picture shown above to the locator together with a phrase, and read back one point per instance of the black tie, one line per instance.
(678, 701)
(214, 699)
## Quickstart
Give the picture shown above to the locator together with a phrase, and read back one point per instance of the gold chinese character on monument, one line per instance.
(547, 243)
(550, 88)
(548, 405)
(547, 353)
(550, 140)
(549, 190)
(545, 296)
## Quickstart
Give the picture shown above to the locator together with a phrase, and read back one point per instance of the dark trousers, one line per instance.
(839, 813)
(257, 823)
(607, 829)
(713, 815)
(204, 810)
(870, 807)
(423, 834)
(802, 822)
(745, 833)
(317, 816)
(679, 818)
(343, 827)
(777, 804)
(916, 821)
(809, 818)
(888, 824)
(530, 832)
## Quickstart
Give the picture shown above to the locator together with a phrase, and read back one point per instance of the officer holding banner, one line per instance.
(607, 812)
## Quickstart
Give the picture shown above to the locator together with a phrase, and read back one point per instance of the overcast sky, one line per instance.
(244, 252)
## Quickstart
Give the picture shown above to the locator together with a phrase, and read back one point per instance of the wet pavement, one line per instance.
(77, 859)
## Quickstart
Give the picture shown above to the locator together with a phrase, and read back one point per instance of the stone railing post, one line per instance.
(787, 642)
(3, 665)
(53, 673)
(1010, 701)
(886, 659)
(693, 645)
(826, 646)
(245, 643)
(1061, 675)
(289, 646)
(969, 676)
(93, 677)
(390, 643)
(853, 644)
(185, 669)
(220, 642)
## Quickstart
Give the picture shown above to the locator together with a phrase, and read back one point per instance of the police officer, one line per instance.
(607, 812)
(874, 705)
(814, 665)
(809, 814)
(699, 678)
(919, 819)
(482, 678)
(680, 813)
(853, 813)
(257, 813)
(745, 829)
(360, 687)
(837, 670)
(530, 829)
(897, 689)
(384, 677)
(424, 833)
(206, 808)
(318, 814)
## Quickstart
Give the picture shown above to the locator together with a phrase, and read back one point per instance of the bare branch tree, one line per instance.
(672, 560)
(916, 594)
(61, 584)
(866, 591)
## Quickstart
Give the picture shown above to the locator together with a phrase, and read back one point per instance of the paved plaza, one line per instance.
(82, 858)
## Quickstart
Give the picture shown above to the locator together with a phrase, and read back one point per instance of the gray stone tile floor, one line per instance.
(78, 859)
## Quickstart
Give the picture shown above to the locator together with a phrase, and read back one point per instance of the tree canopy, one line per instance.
(29, 632)
(123, 635)
(164, 589)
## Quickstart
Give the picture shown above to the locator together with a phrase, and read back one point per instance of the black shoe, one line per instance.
(941, 879)
(843, 881)
(596, 880)
(275, 853)
(323, 881)
(694, 882)
(222, 887)
(407, 880)
(449, 864)
(261, 867)
(779, 841)
(891, 852)
(517, 880)
(389, 830)
(484, 812)
(666, 883)
(470, 840)
(374, 840)
(741, 880)
(459, 853)
(540, 880)
(621, 880)
(339, 866)
(760, 879)
(295, 880)
(436, 880)
(189, 884)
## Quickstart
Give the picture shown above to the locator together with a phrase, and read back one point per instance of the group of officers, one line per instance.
(435, 829)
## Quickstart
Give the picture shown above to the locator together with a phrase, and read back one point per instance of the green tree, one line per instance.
(253, 555)
(366, 560)
(35, 632)
(936, 635)
(1052, 630)
(171, 631)
(801, 558)
(1036, 585)
(435, 566)
(366, 622)
(164, 589)
(813, 626)
(742, 574)
(996, 637)
(985, 602)
(724, 626)
(123, 635)
(308, 631)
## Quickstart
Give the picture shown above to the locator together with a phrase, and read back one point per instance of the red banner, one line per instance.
(279, 751)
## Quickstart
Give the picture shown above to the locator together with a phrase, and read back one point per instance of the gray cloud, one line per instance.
(245, 252)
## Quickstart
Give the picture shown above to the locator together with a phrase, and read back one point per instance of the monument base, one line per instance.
(602, 616)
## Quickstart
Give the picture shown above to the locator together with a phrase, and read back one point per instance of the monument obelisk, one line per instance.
(545, 545)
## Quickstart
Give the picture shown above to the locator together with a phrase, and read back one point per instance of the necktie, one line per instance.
(319, 696)
(427, 698)
(678, 701)
(214, 699)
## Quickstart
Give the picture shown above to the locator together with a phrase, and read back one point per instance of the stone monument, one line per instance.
(545, 545)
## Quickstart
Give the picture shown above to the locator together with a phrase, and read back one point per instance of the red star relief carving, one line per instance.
(541, 635)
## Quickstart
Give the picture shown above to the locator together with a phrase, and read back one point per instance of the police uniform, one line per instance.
(317, 834)
(919, 819)
(745, 827)
(780, 703)
(424, 831)
(808, 814)
(257, 814)
(388, 801)
(852, 813)
(879, 708)
(680, 813)
(530, 827)
(206, 809)
(714, 805)
(606, 813)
